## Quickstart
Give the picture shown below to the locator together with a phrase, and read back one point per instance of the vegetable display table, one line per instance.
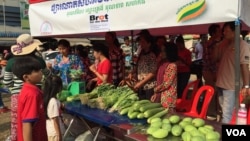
(101, 117)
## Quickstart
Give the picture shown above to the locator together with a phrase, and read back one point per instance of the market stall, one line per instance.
(120, 110)
(94, 18)
(161, 17)
(123, 127)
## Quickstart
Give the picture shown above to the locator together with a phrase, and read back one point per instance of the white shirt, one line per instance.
(53, 111)
(127, 50)
(198, 51)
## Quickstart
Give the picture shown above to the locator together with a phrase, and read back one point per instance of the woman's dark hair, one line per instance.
(25, 65)
(103, 49)
(212, 29)
(64, 43)
(171, 51)
(52, 86)
(113, 35)
(231, 25)
(160, 37)
(180, 39)
(147, 37)
(82, 51)
(150, 39)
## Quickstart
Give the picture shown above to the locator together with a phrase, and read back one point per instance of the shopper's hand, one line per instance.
(130, 76)
(92, 68)
(153, 98)
(137, 86)
(245, 92)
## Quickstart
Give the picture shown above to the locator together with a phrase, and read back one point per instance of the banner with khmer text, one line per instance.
(67, 17)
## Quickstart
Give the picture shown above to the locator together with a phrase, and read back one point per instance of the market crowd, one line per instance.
(160, 70)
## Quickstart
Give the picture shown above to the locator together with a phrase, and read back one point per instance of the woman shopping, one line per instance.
(145, 69)
(166, 88)
(65, 62)
(102, 70)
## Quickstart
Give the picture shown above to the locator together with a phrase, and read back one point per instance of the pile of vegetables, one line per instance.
(75, 73)
(107, 97)
(187, 128)
(143, 109)
(63, 95)
(121, 99)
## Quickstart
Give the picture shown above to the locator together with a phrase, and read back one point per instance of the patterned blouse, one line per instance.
(146, 64)
(64, 68)
(117, 60)
(168, 88)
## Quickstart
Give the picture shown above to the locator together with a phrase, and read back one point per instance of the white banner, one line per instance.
(67, 17)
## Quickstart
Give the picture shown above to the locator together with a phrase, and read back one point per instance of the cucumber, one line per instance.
(130, 111)
(152, 112)
(148, 106)
(138, 104)
(159, 114)
(133, 115)
(140, 116)
(124, 111)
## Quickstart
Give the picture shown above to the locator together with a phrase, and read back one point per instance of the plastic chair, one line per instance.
(209, 92)
(184, 103)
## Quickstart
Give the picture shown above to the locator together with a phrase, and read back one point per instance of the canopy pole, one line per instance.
(237, 65)
(132, 49)
(132, 41)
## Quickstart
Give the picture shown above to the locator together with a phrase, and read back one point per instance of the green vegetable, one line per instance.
(186, 136)
(176, 130)
(62, 96)
(159, 114)
(133, 115)
(140, 116)
(174, 119)
(148, 106)
(123, 99)
(152, 112)
(157, 124)
(72, 98)
(150, 130)
(129, 104)
(160, 133)
(131, 110)
(156, 119)
(198, 122)
(124, 111)
(138, 104)
(166, 126)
